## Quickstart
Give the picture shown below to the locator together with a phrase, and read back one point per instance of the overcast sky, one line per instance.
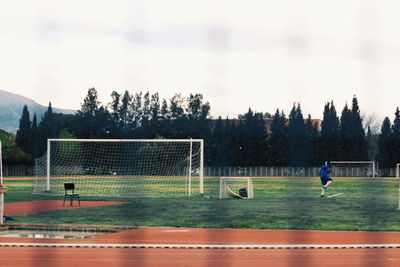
(239, 54)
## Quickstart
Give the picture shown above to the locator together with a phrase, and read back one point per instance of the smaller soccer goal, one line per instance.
(236, 187)
(354, 169)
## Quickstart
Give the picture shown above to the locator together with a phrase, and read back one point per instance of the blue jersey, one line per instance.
(324, 171)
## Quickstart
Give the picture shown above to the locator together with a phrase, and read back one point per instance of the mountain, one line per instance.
(11, 106)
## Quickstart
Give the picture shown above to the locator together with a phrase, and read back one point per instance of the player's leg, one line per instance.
(324, 181)
(327, 183)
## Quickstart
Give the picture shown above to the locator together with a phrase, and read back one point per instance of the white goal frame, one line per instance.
(398, 176)
(201, 141)
(223, 188)
(374, 172)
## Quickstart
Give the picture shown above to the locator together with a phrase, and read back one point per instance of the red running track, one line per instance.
(20, 254)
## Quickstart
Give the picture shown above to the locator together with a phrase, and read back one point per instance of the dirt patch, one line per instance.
(20, 208)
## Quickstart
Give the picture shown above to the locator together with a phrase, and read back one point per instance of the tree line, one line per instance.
(287, 140)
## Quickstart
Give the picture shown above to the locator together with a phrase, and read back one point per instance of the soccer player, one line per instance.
(325, 178)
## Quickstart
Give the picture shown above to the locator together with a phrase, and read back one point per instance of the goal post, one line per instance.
(232, 187)
(398, 176)
(354, 168)
(122, 167)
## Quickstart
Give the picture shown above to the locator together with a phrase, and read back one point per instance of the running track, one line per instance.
(200, 249)
(99, 257)
(148, 246)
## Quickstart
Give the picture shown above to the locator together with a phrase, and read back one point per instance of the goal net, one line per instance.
(122, 167)
(354, 169)
(236, 187)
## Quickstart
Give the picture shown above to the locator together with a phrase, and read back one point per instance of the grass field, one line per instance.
(280, 203)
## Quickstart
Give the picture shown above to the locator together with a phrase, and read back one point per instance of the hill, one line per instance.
(11, 106)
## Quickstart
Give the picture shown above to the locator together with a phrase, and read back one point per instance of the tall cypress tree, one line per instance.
(47, 129)
(23, 138)
(353, 142)
(384, 155)
(346, 136)
(296, 137)
(312, 144)
(85, 125)
(253, 139)
(220, 144)
(330, 133)
(395, 151)
(35, 143)
(124, 111)
(278, 140)
(360, 149)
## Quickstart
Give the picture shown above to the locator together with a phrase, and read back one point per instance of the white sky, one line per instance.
(264, 54)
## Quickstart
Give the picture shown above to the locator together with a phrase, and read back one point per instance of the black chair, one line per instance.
(70, 193)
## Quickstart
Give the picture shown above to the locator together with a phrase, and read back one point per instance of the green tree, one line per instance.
(155, 116)
(90, 104)
(346, 134)
(220, 144)
(195, 103)
(93, 120)
(35, 142)
(47, 128)
(360, 142)
(177, 107)
(24, 136)
(11, 153)
(395, 151)
(125, 114)
(311, 146)
(255, 139)
(297, 138)
(114, 105)
(330, 134)
(372, 144)
(353, 142)
(384, 155)
(278, 141)
(146, 108)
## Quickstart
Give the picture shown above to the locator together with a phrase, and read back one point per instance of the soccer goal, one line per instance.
(122, 167)
(354, 169)
(236, 187)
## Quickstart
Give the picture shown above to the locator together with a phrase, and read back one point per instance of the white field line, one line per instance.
(201, 246)
(335, 195)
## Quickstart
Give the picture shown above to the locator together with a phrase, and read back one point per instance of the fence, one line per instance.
(296, 171)
(18, 170)
(262, 171)
(28, 170)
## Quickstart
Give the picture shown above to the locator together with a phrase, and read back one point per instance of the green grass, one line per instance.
(291, 203)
